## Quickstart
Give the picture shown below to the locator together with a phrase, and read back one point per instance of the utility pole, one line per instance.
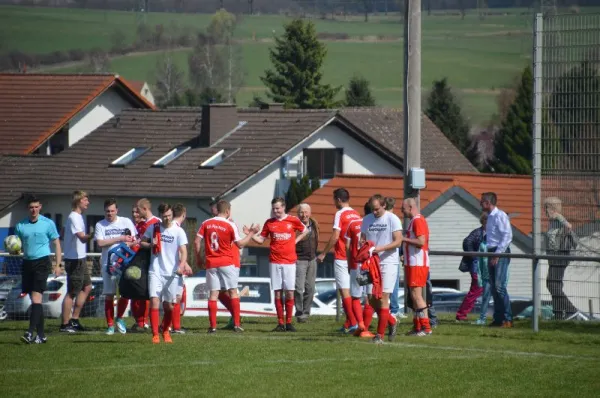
(412, 104)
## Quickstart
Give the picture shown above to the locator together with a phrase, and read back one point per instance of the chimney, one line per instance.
(273, 106)
(217, 120)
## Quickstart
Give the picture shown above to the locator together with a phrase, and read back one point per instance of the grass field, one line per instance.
(458, 360)
(478, 57)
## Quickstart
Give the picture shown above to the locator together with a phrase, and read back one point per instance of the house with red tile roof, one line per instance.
(46, 113)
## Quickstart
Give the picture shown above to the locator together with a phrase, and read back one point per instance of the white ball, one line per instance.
(12, 244)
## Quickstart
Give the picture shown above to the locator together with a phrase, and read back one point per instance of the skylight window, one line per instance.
(214, 160)
(130, 156)
(171, 156)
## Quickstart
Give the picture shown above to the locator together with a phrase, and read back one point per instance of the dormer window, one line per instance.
(214, 160)
(171, 156)
(129, 156)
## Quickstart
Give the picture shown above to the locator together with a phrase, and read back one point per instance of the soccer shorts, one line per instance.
(165, 287)
(283, 276)
(389, 274)
(35, 274)
(109, 283)
(342, 277)
(356, 290)
(180, 287)
(222, 278)
(416, 276)
(78, 275)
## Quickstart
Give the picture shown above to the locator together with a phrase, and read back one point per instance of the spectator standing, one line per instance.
(471, 264)
(306, 267)
(36, 233)
(560, 240)
(499, 236)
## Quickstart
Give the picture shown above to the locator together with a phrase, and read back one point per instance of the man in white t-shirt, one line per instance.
(108, 233)
(79, 281)
(168, 263)
(384, 230)
(179, 215)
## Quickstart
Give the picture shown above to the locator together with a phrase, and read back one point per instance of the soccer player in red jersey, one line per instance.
(416, 265)
(281, 229)
(345, 214)
(221, 241)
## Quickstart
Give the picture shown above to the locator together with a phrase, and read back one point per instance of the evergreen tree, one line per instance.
(358, 92)
(315, 184)
(513, 143)
(444, 111)
(291, 197)
(295, 79)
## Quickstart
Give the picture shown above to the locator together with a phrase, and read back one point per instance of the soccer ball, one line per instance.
(12, 244)
(133, 273)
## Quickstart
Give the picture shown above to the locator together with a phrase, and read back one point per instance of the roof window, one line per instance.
(171, 156)
(214, 160)
(129, 156)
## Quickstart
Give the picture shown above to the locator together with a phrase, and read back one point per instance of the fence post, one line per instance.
(537, 166)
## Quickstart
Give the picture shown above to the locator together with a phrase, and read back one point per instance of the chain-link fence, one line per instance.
(567, 164)
(16, 305)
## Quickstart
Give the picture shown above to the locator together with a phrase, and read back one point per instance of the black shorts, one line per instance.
(35, 274)
(78, 275)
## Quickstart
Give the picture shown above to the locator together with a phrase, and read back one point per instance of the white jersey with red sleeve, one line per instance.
(352, 236)
(417, 256)
(219, 236)
(342, 218)
(282, 233)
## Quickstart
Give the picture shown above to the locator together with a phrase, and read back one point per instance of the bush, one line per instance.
(76, 55)
(332, 36)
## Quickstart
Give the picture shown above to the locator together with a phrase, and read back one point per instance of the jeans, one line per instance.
(470, 299)
(306, 274)
(485, 299)
(394, 305)
(431, 309)
(499, 281)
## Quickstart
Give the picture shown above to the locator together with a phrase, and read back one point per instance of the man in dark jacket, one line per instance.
(469, 264)
(306, 266)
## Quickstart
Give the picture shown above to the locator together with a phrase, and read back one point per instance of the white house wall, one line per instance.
(95, 114)
(448, 226)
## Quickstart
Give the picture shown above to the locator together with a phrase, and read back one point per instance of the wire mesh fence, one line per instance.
(567, 164)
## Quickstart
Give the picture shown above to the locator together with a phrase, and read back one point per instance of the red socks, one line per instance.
(357, 310)
(212, 313)
(226, 301)
(347, 303)
(167, 319)
(142, 312)
(235, 307)
(279, 308)
(176, 317)
(383, 315)
(289, 309)
(109, 312)
(122, 306)
(367, 315)
(423, 320)
(154, 320)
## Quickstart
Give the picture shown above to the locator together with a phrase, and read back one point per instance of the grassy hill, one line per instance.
(478, 57)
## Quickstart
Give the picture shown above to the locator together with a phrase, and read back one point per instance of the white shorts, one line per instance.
(342, 277)
(356, 290)
(164, 287)
(109, 283)
(283, 276)
(389, 274)
(222, 278)
(180, 287)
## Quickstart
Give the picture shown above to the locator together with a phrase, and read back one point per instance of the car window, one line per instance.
(254, 292)
(54, 286)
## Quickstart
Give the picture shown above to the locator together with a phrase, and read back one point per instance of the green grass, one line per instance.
(478, 57)
(458, 360)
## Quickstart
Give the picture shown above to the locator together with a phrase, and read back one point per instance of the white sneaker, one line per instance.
(121, 326)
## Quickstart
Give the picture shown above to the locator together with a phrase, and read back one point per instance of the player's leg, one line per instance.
(277, 285)
(169, 299)
(289, 286)
(368, 312)
(83, 294)
(389, 275)
(122, 304)
(356, 292)
(155, 287)
(213, 283)
(177, 309)
(229, 280)
(73, 287)
(342, 281)
(109, 289)
(418, 281)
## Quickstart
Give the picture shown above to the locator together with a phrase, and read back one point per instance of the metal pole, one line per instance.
(412, 101)
(537, 167)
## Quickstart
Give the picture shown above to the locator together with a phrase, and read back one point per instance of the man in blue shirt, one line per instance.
(36, 233)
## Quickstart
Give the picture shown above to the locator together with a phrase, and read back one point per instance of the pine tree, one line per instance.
(295, 79)
(291, 197)
(358, 92)
(315, 184)
(513, 143)
(444, 111)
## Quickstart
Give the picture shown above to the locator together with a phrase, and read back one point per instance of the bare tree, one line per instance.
(169, 79)
(205, 63)
(98, 62)
(234, 72)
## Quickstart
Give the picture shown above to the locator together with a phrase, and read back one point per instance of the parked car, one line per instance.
(18, 304)
(324, 284)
